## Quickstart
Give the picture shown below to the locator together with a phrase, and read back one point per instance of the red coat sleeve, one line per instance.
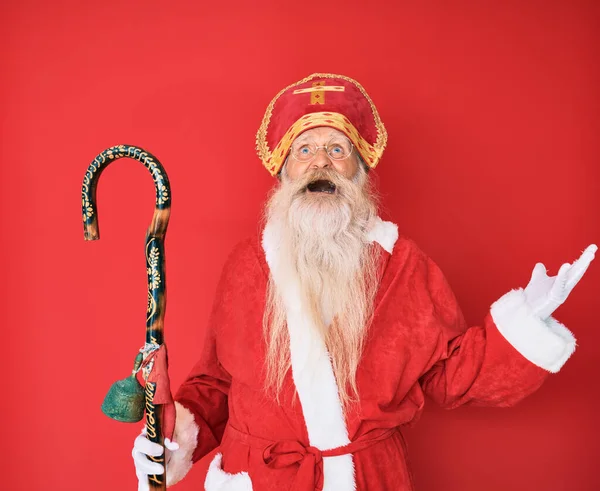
(475, 365)
(204, 393)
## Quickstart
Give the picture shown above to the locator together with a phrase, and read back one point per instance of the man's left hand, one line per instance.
(545, 293)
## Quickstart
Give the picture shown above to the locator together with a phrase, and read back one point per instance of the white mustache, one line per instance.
(344, 187)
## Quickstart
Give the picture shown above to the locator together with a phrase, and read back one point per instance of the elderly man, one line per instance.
(330, 328)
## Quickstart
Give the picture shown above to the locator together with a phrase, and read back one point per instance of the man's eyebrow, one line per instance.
(301, 139)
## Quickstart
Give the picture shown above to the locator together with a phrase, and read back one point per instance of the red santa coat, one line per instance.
(418, 345)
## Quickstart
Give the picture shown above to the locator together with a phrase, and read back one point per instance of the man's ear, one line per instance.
(281, 171)
(362, 163)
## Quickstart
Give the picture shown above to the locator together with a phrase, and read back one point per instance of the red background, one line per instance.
(492, 110)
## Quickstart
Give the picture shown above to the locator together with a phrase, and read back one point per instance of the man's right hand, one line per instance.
(142, 448)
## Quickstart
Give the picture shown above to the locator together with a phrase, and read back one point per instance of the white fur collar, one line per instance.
(384, 233)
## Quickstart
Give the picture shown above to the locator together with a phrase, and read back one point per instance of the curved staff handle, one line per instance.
(155, 267)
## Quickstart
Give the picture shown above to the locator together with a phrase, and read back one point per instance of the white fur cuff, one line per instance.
(186, 435)
(547, 344)
(219, 480)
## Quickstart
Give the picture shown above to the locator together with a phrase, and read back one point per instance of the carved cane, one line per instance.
(155, 266)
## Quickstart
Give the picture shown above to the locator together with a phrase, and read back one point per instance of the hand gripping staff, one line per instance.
(124, 401)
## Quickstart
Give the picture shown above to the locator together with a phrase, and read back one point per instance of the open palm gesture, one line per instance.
(546, 293)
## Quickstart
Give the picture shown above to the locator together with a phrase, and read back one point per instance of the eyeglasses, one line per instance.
(337, 149)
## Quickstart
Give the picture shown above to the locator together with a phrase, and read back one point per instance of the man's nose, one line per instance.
(321, 159)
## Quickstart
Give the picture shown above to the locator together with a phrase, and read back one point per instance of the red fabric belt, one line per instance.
(309, 459)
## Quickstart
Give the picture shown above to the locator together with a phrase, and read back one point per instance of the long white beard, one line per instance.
(325, 259)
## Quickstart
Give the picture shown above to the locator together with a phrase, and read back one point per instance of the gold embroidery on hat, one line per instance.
(274, 161)
(317, 91)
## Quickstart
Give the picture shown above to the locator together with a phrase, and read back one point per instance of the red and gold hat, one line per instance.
(321, 99)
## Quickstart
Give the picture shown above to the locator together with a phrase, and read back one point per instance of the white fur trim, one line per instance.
(385, 233)
(313, 376)
(548, 344)
(219, 480)
(186, 435)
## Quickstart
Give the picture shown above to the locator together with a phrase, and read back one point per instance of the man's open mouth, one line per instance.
(321, 186)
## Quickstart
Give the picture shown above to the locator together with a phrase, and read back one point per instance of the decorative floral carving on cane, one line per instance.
(110, 155)
(154, 278)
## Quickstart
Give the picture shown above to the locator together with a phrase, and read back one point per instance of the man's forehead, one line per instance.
(319, 132)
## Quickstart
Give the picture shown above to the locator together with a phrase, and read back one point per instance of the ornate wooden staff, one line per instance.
(124, 401)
